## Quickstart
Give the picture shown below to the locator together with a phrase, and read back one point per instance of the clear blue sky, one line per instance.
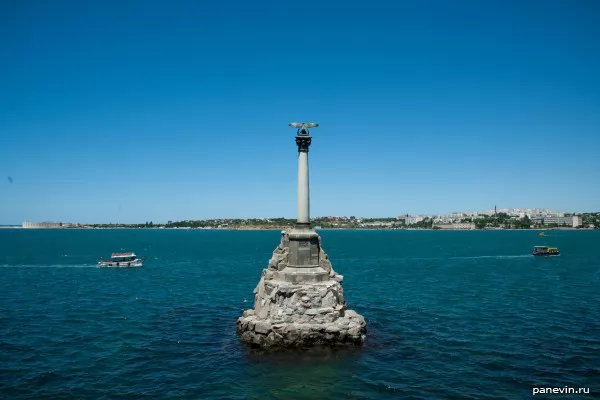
(130, 111)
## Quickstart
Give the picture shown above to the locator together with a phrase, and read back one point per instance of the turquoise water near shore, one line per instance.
(451, 315)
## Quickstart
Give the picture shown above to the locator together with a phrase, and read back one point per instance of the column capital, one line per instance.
(303, 142)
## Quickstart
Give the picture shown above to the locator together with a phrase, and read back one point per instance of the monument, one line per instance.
(299, 300)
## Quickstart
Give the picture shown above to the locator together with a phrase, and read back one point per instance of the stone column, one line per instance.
(303, 142)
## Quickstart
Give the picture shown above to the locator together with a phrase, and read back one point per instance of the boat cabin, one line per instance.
(122, 257)
(129, 259)
(545, 250)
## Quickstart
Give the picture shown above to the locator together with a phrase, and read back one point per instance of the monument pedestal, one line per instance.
(303, 262)
(299, 300)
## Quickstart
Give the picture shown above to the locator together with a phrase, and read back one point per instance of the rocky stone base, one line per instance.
(349, 329)
(288, 313)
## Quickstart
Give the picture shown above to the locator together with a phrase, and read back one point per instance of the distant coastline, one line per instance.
(457, 221)
(288, 227)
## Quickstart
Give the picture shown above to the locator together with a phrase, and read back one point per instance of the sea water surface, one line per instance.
(451, 315)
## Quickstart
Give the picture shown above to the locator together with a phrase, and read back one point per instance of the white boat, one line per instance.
(122, 260)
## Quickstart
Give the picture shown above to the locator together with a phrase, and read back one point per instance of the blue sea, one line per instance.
(450, 315)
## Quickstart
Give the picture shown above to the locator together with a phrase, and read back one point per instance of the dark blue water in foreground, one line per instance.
(450, 315)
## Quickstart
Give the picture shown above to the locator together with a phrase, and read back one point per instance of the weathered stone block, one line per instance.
(269, 274)
(262, 327)
(293, 309)
(355, 331)
(263, 313)
(330, 299)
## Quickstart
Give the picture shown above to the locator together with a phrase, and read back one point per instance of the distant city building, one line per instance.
(413, 220)
(377, 223)
(46, 225)
(460, 225)
(573, 221)
(456, 217)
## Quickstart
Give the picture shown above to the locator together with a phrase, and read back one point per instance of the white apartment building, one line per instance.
(461, 225)
(573, 221)
(412, 220)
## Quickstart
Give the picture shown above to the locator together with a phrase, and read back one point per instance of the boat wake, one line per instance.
(49, 266)
(494, 257)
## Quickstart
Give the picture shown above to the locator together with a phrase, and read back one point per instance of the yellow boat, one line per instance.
(542, 234)
(545, 251)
